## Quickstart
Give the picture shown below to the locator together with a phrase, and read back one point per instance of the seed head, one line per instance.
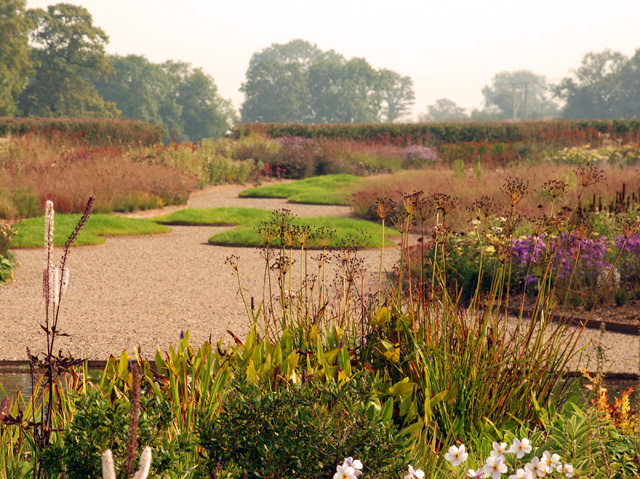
(515, 189)
(588, 176)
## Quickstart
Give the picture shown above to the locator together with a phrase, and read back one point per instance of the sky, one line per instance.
(449, 48)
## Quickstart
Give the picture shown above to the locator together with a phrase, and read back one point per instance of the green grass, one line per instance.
(213, 216)
(320, 190)
(346, 229)
(30, 232)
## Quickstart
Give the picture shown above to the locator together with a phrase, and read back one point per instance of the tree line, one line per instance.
(53, 64)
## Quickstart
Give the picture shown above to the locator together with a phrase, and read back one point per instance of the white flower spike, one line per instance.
(456, 455)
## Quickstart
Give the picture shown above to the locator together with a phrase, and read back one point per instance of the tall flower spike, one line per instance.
(108, 471)
(145, 464)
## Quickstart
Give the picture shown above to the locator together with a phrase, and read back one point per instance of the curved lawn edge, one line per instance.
(30, 231)
(350, 232)
(221, 216)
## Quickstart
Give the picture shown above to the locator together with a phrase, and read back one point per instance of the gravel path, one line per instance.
(145, 290)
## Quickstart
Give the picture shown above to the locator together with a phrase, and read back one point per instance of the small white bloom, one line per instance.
(413, 473)
(500, 448)
(495, 466)
(522, 474)
(536, 467)
(344, 473)
(551, 461)
(475, 474)
(353, 463)
(566, 469)
(456, 455)
(520, 447)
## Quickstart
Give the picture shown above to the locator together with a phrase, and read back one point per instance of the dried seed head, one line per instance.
(484, 208)
(555, 188)
(384, 206)
(629, 226)
(588, 176)
(515, 189)
(444, 203)
(410, 200)
(232, 261)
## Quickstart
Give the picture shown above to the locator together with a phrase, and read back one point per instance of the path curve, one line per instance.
(146, 290)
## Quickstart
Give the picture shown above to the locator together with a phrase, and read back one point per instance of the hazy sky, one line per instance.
(450, 49)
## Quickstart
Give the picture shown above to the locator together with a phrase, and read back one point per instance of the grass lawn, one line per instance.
(319, 190)
(346, 230)
(30, 232)
(213, 216)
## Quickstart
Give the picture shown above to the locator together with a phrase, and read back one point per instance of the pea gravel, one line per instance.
(145, 290)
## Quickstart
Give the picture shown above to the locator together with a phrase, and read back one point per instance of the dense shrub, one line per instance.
(87, 132)
(300, 431)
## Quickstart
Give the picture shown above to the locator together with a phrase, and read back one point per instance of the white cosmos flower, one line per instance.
(456, 455)
(522, 474)
(344, 473)
(566, 469)
(495, 466)
(413, 473)
(551, 461)
(536, 467)
(500, 448)
(520, 447)
(475, 474)
(353, 463)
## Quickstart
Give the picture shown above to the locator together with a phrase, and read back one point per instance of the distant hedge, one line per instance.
(85, 131)
(443, 133)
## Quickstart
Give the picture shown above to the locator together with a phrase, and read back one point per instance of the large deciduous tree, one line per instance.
(597, 87)
(14, 53)
(68, 55)
(298, 82)
(397, 94)
(444, 109)
(520, 94)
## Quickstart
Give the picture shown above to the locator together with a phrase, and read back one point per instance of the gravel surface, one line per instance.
(146, 290)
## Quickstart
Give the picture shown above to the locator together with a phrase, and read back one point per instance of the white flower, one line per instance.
(520, 447)
(500, 448)
(456, 455)
(536, 467)
(145, 464)
(475, 474)
(566, 469)
(344, 473)
(353, 463)
(551, 462)
(522, 474)
(108, 471)
(413, 473)
(495, 466)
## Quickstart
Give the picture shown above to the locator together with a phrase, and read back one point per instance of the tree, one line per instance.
(14, 53)
(444, 110)
(345, 92)
(397, 94)
(276, 92)
(68, 55)
(519, 94)
(276, 88)
(205, 114)
(596, 89)
(137, 88)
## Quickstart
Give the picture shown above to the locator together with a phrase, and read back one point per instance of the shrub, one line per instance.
(302, 430)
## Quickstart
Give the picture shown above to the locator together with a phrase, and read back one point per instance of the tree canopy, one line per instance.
(14, 53)
(68, 55)
(520, 94)
(298, 82)
(605, 85)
